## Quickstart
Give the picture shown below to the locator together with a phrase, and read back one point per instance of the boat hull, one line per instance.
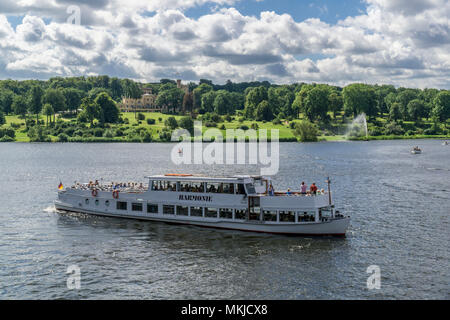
(332, 227)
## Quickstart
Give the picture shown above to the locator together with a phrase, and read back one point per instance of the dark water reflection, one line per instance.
(399, 205)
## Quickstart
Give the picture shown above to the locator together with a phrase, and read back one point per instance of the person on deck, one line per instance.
(313, 188)
(271, 191)
(303, 187)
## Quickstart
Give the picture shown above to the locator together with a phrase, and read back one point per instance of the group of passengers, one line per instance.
(313, 190)
(220, 188)
(121, 186)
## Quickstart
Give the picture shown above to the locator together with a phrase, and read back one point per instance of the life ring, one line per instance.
(94, 192)
(115, 194)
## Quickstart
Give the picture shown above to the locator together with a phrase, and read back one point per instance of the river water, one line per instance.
(399, 204)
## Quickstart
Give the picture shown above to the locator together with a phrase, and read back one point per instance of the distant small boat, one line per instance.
(416, 150)
(445, 143)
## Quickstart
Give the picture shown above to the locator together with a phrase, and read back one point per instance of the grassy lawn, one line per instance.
(285, 132)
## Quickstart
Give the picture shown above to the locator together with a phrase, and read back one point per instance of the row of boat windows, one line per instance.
(225, 213)
(201, 187)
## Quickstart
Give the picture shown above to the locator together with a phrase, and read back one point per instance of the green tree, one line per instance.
(389, 100)
(315, 103)
(6, 100)
(306, 131)
(404, 96)
(91, 110)
(442, 105)
(335, 102)
(395, 112)
(116, 88)
(208, 101)
(35, 101)
(73, 98)
(171, 123)
(381, 93)
(48, 111)
(19, 105)
(198, 93)
(2, 118)
(280, 100)
(170, 98)
(253, 98)
(222, 103)
(187, 123)
(107, 109)
(264, 112)
(359, 98)
(416, 109)
(56, 99)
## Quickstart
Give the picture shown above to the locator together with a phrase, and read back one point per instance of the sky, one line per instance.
(400, 42)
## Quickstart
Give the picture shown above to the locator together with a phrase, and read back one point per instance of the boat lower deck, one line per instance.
(328, 227)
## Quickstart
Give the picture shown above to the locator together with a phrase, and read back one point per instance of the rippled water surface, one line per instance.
(399, 204)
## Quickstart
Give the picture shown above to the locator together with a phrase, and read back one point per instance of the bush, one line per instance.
(376, 131)
(151, 121)
(306, 131)
(244, 127)
(30, 122)
(210, 124)
(254, 126)
(393, 129)
(140, 116)
(147, 137)
(2, 118)
(62, 137)
(126, 121)
(38, 134)
(241, 119)
(276, 121)
(6, 139)
(7, 132)
(216, 118)
(69, 131)
(119, 133)
(109, 133)
(98, 132)
(228, 118)
(222, 127)
(171, 122)
(15, 125)
(430, 131)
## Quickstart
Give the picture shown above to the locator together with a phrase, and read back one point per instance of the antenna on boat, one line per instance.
(329, 191)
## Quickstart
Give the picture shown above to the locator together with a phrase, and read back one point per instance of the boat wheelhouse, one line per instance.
(245, 203)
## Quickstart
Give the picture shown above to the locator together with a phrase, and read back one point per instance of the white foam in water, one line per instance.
(50, 209)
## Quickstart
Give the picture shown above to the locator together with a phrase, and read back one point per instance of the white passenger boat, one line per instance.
(244, 203)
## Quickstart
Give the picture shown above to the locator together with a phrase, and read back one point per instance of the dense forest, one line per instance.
(85, 109)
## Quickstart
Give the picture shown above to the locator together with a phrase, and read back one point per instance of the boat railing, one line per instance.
(298, 193)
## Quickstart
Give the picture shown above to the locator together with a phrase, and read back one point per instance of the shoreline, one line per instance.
(289, 140)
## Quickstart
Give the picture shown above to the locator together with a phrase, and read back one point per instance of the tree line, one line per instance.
(95, 97)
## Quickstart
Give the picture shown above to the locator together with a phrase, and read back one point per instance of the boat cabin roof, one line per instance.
(198, 178)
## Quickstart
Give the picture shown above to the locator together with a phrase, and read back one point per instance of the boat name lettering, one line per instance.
(194, 198)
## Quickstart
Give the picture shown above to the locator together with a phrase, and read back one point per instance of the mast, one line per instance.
(329, 191)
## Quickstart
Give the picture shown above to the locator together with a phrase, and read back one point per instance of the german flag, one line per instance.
(60, 187)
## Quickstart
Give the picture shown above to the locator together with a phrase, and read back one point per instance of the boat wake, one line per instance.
(50, 209)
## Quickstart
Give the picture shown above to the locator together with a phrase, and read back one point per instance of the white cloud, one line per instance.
(400, 42)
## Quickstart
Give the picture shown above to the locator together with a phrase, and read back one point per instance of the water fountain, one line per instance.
(358, 127)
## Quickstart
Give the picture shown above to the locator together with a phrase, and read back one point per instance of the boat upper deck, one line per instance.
(198, 178)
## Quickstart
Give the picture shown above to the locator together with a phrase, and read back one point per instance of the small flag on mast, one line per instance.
(60, 187)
